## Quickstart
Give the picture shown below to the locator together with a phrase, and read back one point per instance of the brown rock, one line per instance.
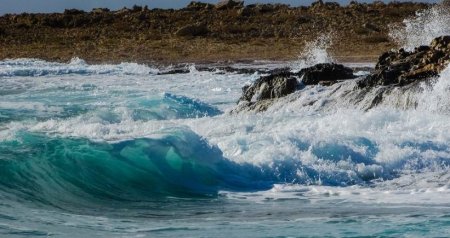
(199, 6)
(229, 4)
(403, 67)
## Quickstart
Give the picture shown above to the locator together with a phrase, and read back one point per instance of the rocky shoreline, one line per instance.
(200, 32)
(395, 69)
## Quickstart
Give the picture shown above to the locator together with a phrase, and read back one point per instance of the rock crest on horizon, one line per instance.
(229, 4)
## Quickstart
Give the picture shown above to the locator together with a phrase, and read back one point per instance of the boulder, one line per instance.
(100, 10)
(229, 4)
(403, 67)
(270, 87)
(73, 12)
(199, 29)
(326, 74)
(199, 6)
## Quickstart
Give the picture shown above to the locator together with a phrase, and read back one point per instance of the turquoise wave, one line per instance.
(55, 170)
(142, 108)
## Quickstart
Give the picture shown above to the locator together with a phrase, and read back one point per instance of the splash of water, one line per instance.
(422, 28)
(315, 52)
(435, 97)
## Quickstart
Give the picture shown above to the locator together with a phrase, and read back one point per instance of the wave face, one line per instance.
(54, 170)
(145, 129)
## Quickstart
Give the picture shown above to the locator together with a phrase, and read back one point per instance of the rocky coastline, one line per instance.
(395, 70)
(200, 32)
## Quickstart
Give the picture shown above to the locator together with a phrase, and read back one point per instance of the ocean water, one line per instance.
(120, 151)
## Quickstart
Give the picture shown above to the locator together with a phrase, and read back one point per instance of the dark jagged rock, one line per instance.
(73, 12)
(270, 87)
(326, 74)
(100, 10)
(175, 71)
(282, 82)
(402, 67)
(229, 4)
(199, 6)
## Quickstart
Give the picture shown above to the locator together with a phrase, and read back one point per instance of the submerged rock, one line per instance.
(403, 67)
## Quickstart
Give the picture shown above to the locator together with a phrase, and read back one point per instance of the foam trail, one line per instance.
(35, 67)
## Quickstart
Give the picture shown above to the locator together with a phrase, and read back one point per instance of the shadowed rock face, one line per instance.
(270, 87)
(198, 6)
(325, 74)
(402, 67)
(282, 82)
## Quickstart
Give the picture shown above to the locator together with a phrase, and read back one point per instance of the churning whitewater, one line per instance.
(131, 150)
(121, 140)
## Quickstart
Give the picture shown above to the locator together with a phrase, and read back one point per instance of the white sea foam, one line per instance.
(317, 135)
(35, 67)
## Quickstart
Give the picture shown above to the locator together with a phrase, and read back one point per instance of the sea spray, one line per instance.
(312, 162)
(422, 28)
(315, 52)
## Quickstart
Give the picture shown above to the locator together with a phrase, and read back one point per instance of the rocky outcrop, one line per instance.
(235, 32)
(282, 82)
(403, 67)
(270, 87)
(325, 74)
(199, 6)
(229, 4)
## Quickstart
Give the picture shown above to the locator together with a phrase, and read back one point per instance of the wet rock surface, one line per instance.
(395, 71)
(281, 82)
(270, 87)
(405, 67)
(325, 74)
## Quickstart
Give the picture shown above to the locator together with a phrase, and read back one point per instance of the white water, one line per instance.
(423, 28)
(332, 135)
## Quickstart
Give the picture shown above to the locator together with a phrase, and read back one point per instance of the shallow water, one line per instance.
(119, 151)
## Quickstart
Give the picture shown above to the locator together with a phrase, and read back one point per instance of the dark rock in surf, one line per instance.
(403, 67)
(270, 87)
(175, 71)
(325, 74)
(282, 82)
